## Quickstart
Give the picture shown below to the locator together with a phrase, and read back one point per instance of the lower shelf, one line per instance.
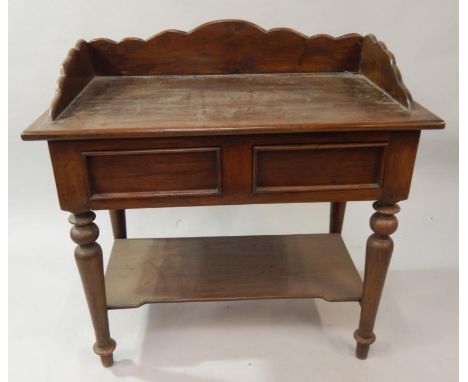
(230, 268)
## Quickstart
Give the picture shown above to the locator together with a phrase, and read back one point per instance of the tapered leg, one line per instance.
(119, 225)
(337, 212)
(88, 255)
(378, 253)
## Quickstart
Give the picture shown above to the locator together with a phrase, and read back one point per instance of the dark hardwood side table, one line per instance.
(231, 114)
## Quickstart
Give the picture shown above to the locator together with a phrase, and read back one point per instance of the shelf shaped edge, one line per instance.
(142, 271)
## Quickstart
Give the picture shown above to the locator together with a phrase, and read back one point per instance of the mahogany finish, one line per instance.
(183, 171)
(371, 166)
(119, 223)
(378, 254)
(378, 65)
(230, 268)
(88, 256)
(226, 47)
(337, 213)
(76, 72)
(231, 114)
(322, 166)
(207, 105)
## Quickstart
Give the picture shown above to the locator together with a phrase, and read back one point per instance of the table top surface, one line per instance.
(151, 106)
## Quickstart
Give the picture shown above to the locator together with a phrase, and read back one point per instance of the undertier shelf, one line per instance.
(144, 271)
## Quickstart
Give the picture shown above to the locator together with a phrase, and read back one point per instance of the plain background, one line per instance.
(44, 285)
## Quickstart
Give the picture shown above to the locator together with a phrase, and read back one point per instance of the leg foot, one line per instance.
(362, 350)
(105, 352)
(107, 360)
(363, 344)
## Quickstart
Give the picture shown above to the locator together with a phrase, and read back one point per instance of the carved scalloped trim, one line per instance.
(226, 47)
(71, 75)
(387, 64)
(242, 23)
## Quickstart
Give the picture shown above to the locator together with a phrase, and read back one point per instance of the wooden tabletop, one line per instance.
(152, 106)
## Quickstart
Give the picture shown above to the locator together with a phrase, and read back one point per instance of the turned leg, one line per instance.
(378, 253)
(88, 255)
(337, 212)
(119, 225)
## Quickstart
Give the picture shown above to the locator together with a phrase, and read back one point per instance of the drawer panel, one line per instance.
(150, 173)
(315, 167)
(216, 170)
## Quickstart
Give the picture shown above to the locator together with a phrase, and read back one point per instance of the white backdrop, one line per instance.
(50, 331)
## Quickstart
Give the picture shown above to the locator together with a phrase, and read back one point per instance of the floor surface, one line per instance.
(282, 340)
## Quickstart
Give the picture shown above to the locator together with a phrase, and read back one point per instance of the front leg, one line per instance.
(88, 255)
(378, 254)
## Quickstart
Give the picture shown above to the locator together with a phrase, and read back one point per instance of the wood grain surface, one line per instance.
(76, 72)
(296, 168)
(152, 106)
(182, 171)
(226, 47)
(230, 113)
(306, 172)
(230, 268)
(223, 47)
(378, 65)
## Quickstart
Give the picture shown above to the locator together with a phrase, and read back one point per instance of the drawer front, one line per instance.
(152, 173)
(318, 167)
(191, 171)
